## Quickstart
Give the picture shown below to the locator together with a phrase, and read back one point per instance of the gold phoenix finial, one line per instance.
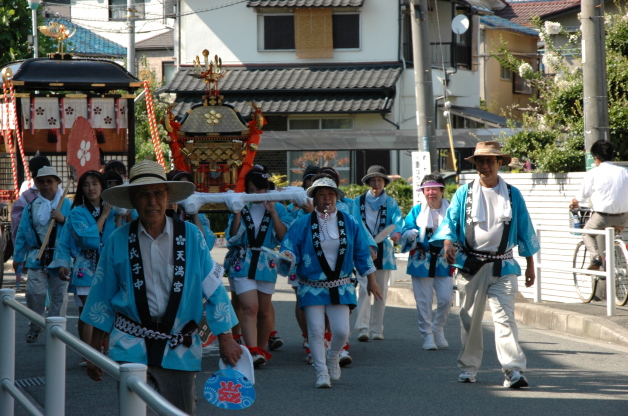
(57, 31)
(211, 71)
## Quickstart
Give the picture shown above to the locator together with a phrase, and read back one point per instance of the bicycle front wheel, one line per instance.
(585, 283)
(621, 273)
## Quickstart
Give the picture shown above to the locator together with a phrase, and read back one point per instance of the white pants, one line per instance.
(38, 285)
(424, 288)
(501, 292)
(372, 317)
(338, 316)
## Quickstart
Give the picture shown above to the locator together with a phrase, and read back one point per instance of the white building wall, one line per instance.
(232, 33)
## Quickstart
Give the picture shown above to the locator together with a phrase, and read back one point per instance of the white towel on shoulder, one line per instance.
(424, 220)
(503, 210)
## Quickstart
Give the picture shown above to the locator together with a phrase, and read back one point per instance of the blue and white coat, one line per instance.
(420, 256)
(299, 243)
(26, 246)
(521, 235)
(264, 270)
(79, 236)
(393, 216)
(113, 291)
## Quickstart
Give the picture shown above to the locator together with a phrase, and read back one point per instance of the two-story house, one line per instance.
(336, 75)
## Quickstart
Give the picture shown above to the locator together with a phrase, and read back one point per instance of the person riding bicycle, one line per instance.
(607, 188)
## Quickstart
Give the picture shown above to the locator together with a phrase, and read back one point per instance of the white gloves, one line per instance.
(235, 202)
(410, 235)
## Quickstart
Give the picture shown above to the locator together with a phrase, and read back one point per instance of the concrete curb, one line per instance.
(540, 316)
(570, 322)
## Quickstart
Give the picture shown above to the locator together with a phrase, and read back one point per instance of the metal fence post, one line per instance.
(55, 368)
(610, 271)
(537, 266)
(7, 351)
(130, 403)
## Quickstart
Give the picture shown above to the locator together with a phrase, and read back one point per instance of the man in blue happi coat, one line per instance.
(486, 219)
(149, 286)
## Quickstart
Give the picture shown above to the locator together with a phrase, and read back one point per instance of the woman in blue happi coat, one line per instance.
(324, 247)
(426, 263)
(88, 227)
(252, 271)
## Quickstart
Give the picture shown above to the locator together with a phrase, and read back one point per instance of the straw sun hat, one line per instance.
(145, 173)
(489, 149)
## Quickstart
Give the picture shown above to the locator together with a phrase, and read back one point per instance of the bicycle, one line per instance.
(586, 284)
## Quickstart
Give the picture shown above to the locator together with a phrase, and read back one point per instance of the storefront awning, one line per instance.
(315, 140)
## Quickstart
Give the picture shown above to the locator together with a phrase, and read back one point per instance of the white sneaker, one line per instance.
(428, 343)
(439, 339)
(364, 335)
(345, 358)
(515, 379)
(333, 366)
(377, 337)
(322, 381)
(467, 377)
(308, 358)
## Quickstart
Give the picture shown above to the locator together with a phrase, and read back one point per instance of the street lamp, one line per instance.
(34, 5)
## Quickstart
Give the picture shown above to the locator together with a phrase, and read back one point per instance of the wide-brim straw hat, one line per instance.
(374, 171)
(146, 172)
(48, 171)
(325, 183)
(489, 149)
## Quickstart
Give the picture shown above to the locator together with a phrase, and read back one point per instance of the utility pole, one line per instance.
(422, 60)
(34, 5)
(130, 50)
(596, 124)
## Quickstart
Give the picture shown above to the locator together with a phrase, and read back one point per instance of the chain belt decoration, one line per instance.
(131, 327)
(506, 256)
(327, 284)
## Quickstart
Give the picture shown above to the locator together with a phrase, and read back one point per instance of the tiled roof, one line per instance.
(305, 3)
(85, 42)
(298, 103)
(523, 12)
(501, 23)
(305, 79)
(301, 90)
(162, 41)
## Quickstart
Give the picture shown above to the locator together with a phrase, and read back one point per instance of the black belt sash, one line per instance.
(382, 216)
(155, 347)
(342, 250)
(255, 241)
(473, 263)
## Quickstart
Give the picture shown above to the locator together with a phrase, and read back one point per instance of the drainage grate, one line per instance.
(31, 382)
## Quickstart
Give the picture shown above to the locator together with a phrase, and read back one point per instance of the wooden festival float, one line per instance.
(212, 141)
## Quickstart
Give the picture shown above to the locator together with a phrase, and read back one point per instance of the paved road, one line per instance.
(568, 375)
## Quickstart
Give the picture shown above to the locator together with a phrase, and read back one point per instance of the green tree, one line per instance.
(15, 27)
(553, 134)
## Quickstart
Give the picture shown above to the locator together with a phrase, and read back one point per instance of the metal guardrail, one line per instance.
(609, 234)
(133, 392)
